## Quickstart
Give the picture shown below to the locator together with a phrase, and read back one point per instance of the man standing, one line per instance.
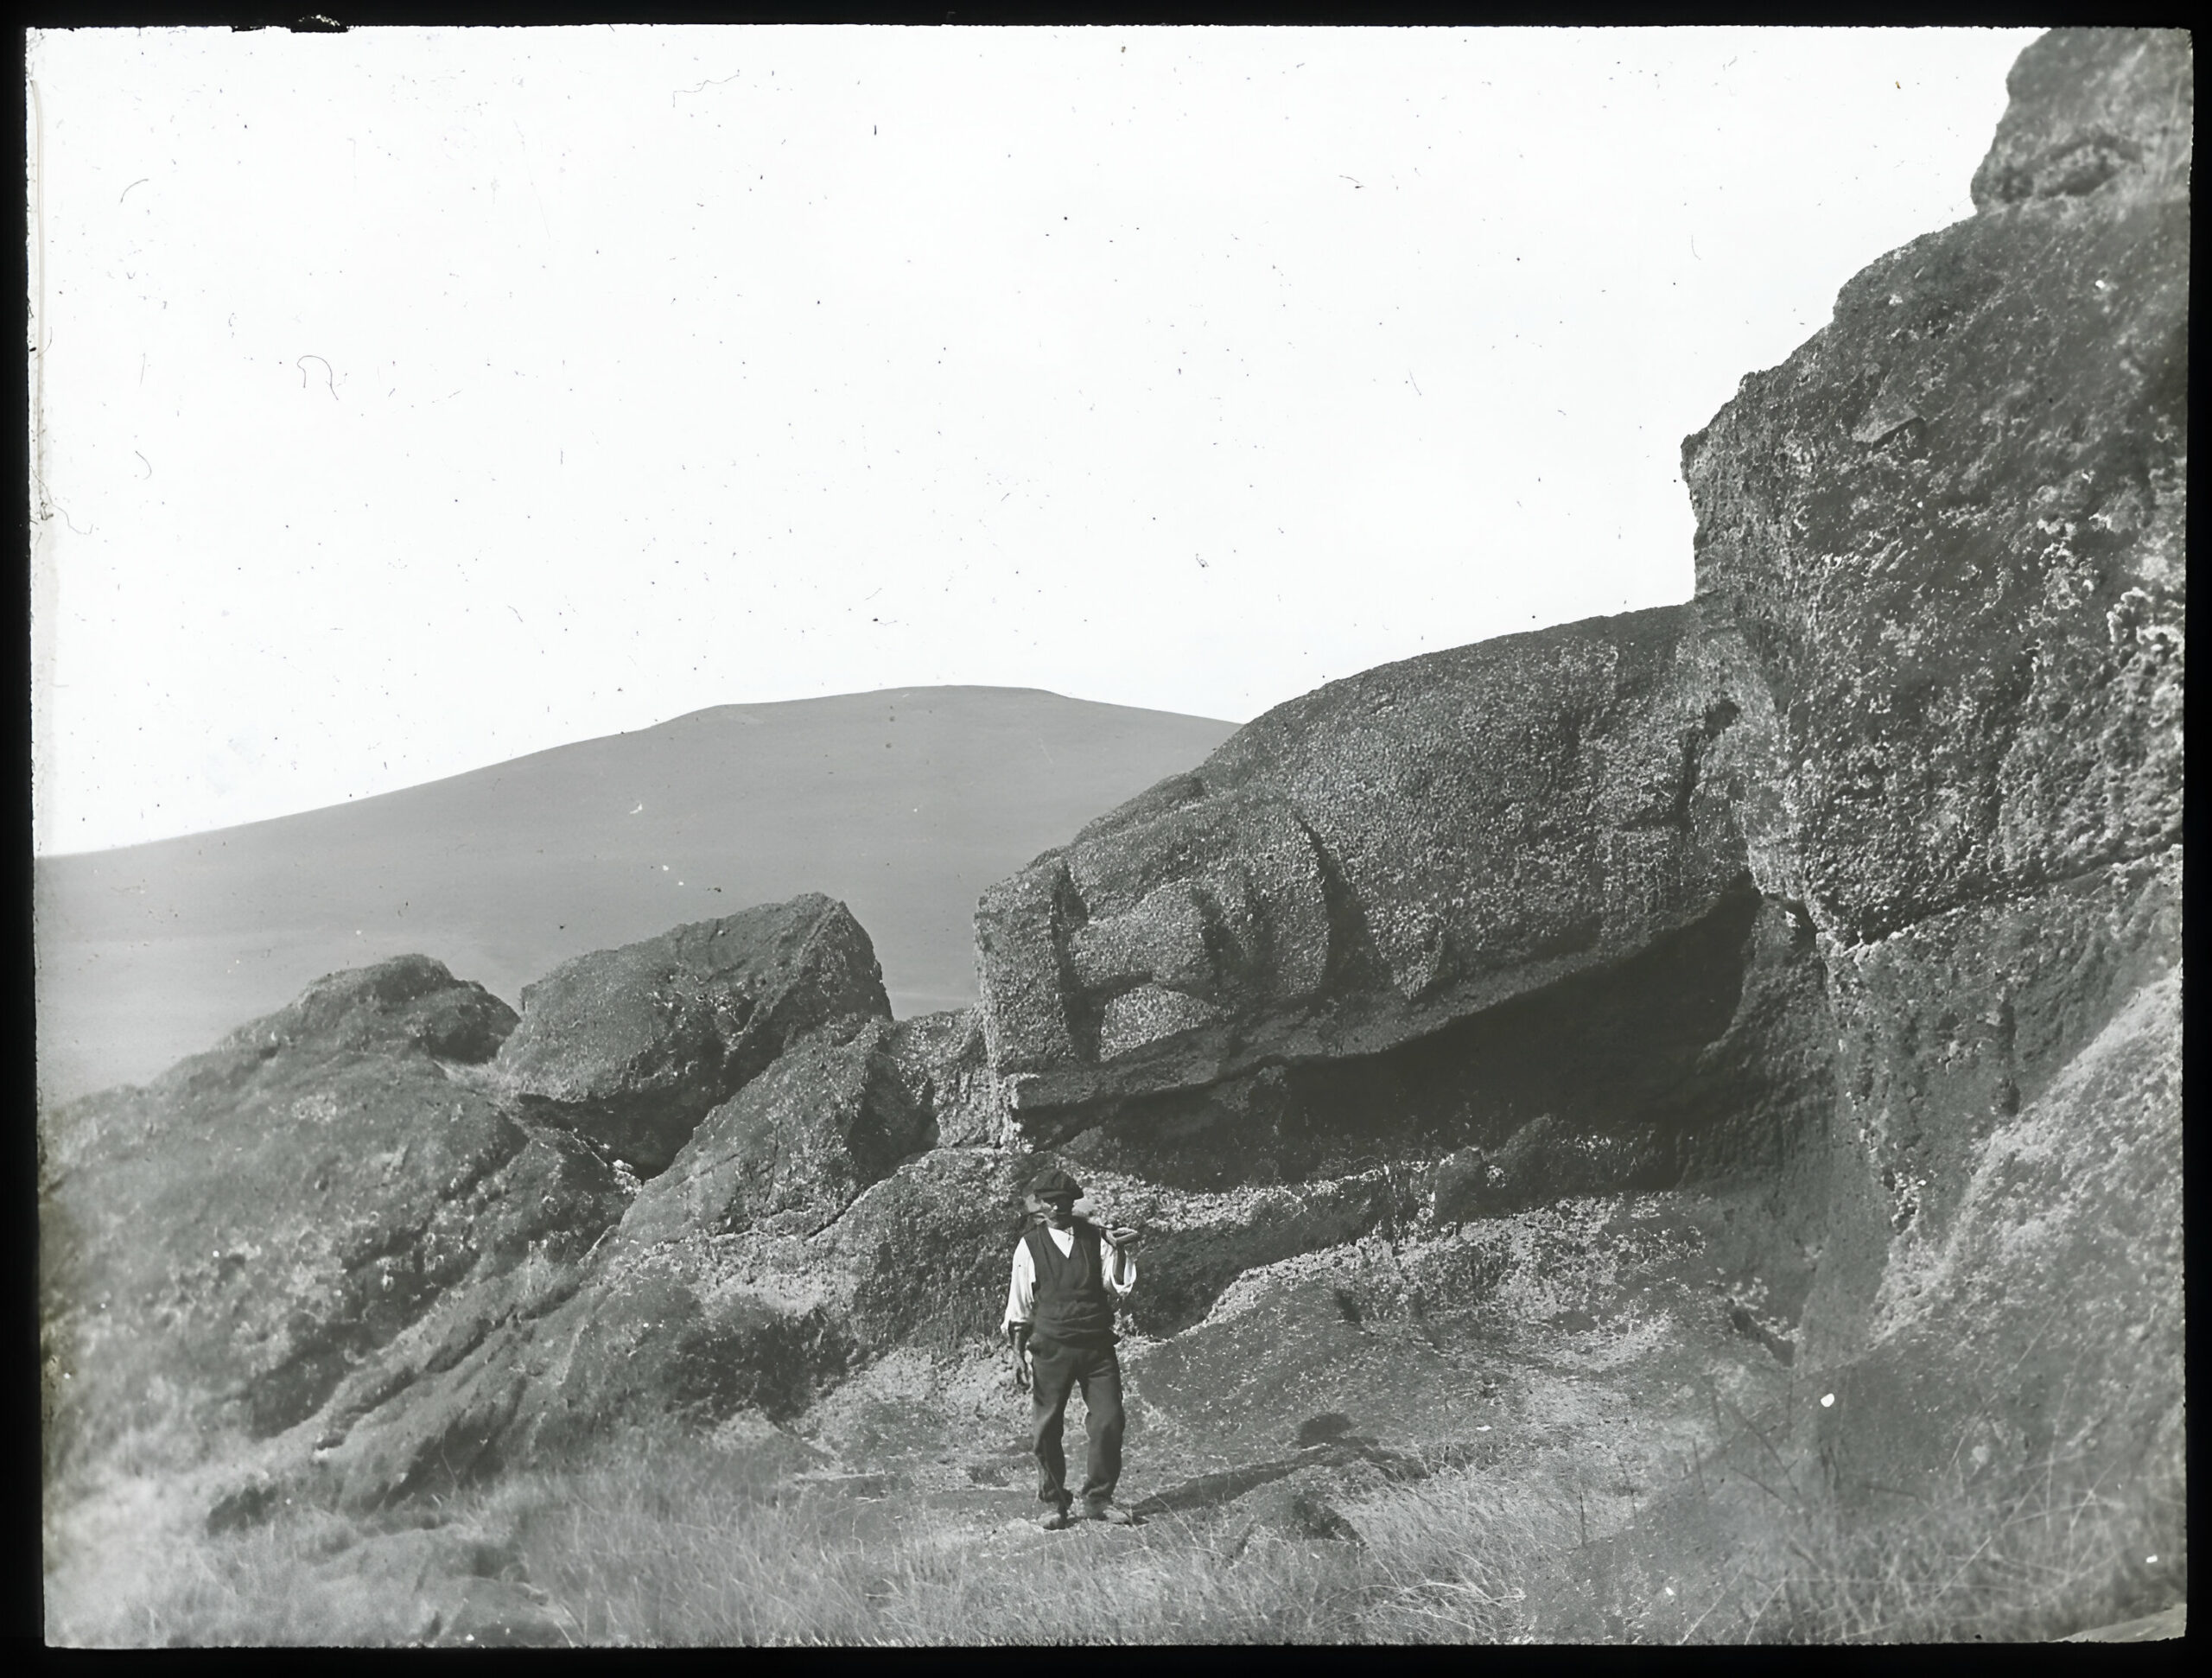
(1068, 1276)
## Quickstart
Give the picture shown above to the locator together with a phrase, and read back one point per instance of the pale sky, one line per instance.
(415, 399)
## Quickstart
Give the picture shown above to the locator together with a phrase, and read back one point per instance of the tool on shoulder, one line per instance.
(1087, 1211)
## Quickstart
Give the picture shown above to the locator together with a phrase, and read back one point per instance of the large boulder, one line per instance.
(944, 1061)
(408, 1277)
(409, 1005)
(794, 1148)
(1948, 531)
(1377, 859)
(219, 1249)
(1947, 539)
(634, 1046)
(2046, 1320)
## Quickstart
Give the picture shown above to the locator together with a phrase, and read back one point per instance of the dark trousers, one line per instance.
(1056, 1371)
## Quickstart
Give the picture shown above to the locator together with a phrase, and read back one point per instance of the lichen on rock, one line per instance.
(1949, 528)
(1949, 536)
(634, 1046)
(793, 1148)
(1599, 1025)
(1371, 862)
(244, 1230)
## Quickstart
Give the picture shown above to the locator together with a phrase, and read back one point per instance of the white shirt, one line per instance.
(1022, 1293)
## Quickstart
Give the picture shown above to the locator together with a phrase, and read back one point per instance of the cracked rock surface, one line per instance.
(1617, 1034)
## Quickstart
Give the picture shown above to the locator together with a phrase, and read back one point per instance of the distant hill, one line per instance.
(904, 803)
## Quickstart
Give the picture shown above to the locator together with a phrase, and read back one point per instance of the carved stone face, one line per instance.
(1372, 861)
(1206, 914)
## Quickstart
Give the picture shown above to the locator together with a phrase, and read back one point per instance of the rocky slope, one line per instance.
(219, 1249)
(1625, 1032)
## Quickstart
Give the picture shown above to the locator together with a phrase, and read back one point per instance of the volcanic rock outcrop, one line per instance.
(1926, 706)
(793, 1148)
(945, 1064)
(232, 1238)
(1805, 958)
(1948, 535)
(631, 1046)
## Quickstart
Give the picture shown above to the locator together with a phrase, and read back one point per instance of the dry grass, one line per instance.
(713, 1560)
(259, 1587)
(1463, 1557)
(2027, 1563)
(656, 1545)
(705, 1548)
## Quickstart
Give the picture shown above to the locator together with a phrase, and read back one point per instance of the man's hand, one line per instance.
(1121, 1267)
(1017, 1357)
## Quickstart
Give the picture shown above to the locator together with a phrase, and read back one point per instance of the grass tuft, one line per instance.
(2034, 1561)
(657, 1544)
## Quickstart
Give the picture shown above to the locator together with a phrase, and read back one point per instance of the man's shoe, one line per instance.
(1056, 1520)
(1110, 1515)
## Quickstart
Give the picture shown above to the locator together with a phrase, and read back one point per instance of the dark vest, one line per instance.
(1073, 1305)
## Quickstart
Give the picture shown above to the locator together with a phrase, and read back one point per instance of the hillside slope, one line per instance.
(904, 803)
